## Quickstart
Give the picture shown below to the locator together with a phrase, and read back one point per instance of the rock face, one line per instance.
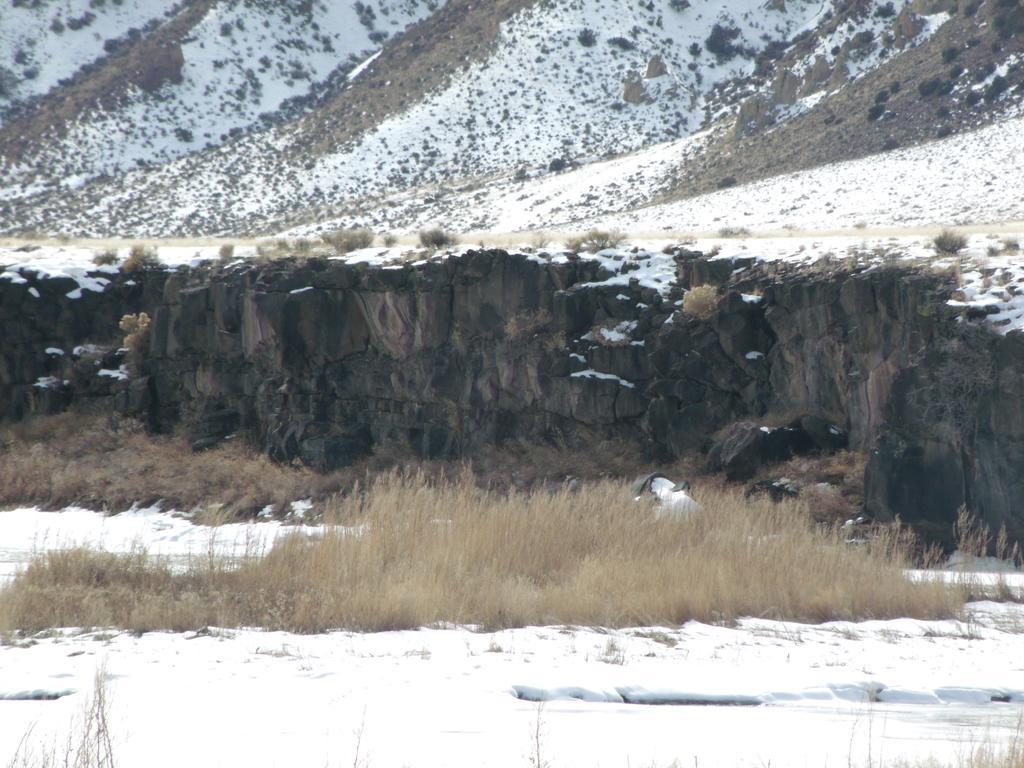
(953, 436)
(323, 361)
(655, 68)
(57, 339)
(164, 66)
(633, 91)
(748, 446)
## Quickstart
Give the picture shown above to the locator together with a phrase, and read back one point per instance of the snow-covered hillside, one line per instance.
(562, 83)
(242, 62)
(44, 43)
(967, 178)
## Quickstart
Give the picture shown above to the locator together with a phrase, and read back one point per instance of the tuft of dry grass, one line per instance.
(594, 240)
(136, 336)
(410, 552)
(701, 301)
(601, 239)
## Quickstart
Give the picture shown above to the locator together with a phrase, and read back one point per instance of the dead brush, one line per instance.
(136, 337)
(949, 242)
(140, 258)
(436, 238)
(701, 302)
(105, 258)
(347, 240)
(594, 240)
(527, 323)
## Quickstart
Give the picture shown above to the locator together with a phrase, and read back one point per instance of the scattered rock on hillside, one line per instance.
(633, 92)
(655, 68)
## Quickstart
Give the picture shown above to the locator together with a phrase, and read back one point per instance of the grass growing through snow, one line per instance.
(411, 552)
(88, 744)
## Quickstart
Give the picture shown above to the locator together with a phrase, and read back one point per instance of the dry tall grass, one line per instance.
(411, 552)
(347, 240)
(110, 463)
(984, 753)
(107, 462)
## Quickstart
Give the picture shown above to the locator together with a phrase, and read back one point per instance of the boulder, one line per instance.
(633, 91)
(907, 26)
(655, 68)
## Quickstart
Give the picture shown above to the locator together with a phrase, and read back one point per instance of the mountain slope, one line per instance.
(207, 72)
(469, 95)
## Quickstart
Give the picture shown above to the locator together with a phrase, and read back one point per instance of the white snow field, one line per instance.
(27, 531)
(832, 694)
(749, 694)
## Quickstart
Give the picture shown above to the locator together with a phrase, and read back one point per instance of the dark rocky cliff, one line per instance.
(323, 360)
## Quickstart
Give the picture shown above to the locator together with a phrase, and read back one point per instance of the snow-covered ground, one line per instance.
(969, 178)
(26, 532)
(832, 694)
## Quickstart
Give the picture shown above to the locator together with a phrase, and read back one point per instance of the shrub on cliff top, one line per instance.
(105, 258)
(139, 258)
(949, 242)
(599, 239)
(594, 240)
(437, 237)
(347, 240)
